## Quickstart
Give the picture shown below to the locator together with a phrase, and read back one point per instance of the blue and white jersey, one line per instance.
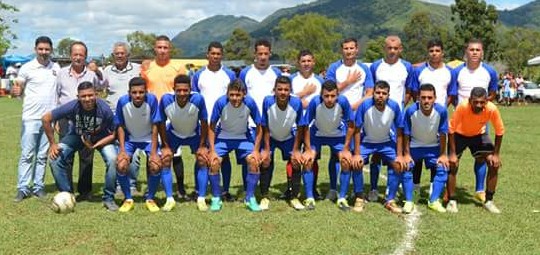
(212, 85)
(398, 75)
(328, 122)
(281, 122)
(338, 72)
(424, 130)
(259, 83)
(183, 121)
(232, 122)
(441, 78)
(484, 76)
(137, 121)
(378, 126)
(298, 83)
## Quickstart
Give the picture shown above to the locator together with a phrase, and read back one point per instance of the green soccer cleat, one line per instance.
(252, 205)
(343, 205)
(215, 204)
(436, 206)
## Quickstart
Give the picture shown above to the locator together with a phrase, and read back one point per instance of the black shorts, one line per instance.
(478, 144)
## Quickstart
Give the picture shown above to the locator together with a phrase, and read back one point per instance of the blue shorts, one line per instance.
(428, 154)
(131, 147)
(336, 144)
(387, 150)
(241, 147)
(286, 147)
(175, 142)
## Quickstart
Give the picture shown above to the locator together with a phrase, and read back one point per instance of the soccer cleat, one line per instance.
(215, 204)
(332, 195)
(343, 205)
(436, 206)
(286, 195)
(20, 196)
(151, 205)
(408, 207)
(309, 204)
(490, 207)
(316, 195)
(201, 204)
(480, 196)
(393, 207)
(183, 197)
(297, 205)
(373, 196)
(127, 206)
(169, 205)
(252, 205)
(84, 197)
(358, 205)
(451, 207)
(110, 205)
(265, 204)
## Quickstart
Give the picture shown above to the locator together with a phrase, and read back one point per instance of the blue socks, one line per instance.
(392, 183)
(215, 182)
(166, 178)
(202, 180)
(123, 180)
(480, 171)
(344, 180)
(439, 181)
(358, 182)
(153, 183)
(374, 170)
(251, 180)
(308, 183)
(408, 185)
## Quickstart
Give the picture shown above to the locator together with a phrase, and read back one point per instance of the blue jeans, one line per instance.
(61, 167)
(33, 161)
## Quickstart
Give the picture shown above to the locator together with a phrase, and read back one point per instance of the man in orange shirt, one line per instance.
(468, 129)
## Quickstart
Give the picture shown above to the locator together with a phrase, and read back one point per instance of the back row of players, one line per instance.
(357, 112)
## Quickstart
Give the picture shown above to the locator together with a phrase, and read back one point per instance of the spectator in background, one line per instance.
(520, 83)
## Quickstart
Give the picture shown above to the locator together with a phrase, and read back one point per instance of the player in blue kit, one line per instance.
(187, 125)
(331, 123)
(282, 115)
(425, 126)
(137, 118)
(229, 130)
(376, 120)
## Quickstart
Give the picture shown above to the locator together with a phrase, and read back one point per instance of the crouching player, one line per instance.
(137, 118)
(281, 114)
(229, 130)
(425, 125)
(187, 125)
(330, 119)
(377, 118)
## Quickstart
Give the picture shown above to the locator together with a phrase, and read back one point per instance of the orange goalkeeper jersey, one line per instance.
(465, 122)
(160, 79)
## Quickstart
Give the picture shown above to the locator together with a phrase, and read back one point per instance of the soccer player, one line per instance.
(211, 82)
(137, 117)
(475, 73)
(434, 72)
(425, 125)
(468, 130)
(355, 83)
(232, 113)
(398, 73)
(378, 118)
(93, 128)
(282, 116)
(187, 125)
(331, 123)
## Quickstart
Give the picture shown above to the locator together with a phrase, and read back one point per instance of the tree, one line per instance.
(314, 32)
(374, 49)
(474, 19)
(238, 46)
(516, 46)
(417, 32)
(6, 35)
(63, 47)
(142, 45)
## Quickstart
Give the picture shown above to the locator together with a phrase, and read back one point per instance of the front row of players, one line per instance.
(180, 119)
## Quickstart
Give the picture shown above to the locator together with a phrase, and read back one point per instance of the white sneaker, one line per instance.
(408, 207)
(332, 195)
(264, 204)
(451, 207)
(373, 196)
(490, 207)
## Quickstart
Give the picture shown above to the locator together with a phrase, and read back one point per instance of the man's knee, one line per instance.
(252, 164)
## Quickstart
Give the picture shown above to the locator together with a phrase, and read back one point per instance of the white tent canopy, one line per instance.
(534, 61)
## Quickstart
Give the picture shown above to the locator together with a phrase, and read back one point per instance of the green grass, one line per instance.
(30, 226)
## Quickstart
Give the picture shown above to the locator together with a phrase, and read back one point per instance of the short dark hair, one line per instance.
(236, 84)
(182, 78)
(216, 45)
(163, 38)
(305, 52)
(263, 42)
(78, 43)
(348, 40)
(474, 40)
(428, 87)
(382, 85)
(283, 79)
(85, 85)
(328, 85)
(136, 81)
(478, 92)
(435, 42)
(43, 39)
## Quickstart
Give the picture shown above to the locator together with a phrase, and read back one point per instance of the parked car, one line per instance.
(531, 91)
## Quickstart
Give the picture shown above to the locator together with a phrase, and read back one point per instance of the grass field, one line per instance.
(31, 227)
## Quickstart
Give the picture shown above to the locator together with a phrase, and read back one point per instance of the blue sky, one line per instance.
(101, 23)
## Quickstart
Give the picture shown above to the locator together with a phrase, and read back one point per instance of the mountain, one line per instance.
(195, 39)
(527, 16)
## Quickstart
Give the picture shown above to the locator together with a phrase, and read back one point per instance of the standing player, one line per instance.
(211, 82)
(425, 126)
(475, 73)
(355, 83)
(398, 73)
(282, 116)
(232, 113)
(188, 125)
(137, 118)
(468, 129)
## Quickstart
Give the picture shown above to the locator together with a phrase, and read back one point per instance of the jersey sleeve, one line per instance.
(359, 117)
(493, 81)
(297, 106)
(331, 72)
(443, 123)
(415, 83)
(398, 114)
(64, 111)
(119, 114)
(407, 119)
(347, 111)
(452, 87)
(410, 76)
(218, 108)
(373, 69)
(154, 108)
(243, 74)
(311, 110)
(266, 105)
(253, 110)
(368, 82)
(164, 102)
(203, 113)
(195, 81)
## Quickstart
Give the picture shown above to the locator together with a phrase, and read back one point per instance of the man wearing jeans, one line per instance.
(91, 127)
(38, 78)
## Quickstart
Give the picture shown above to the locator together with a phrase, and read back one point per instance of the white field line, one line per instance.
(407, 243)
